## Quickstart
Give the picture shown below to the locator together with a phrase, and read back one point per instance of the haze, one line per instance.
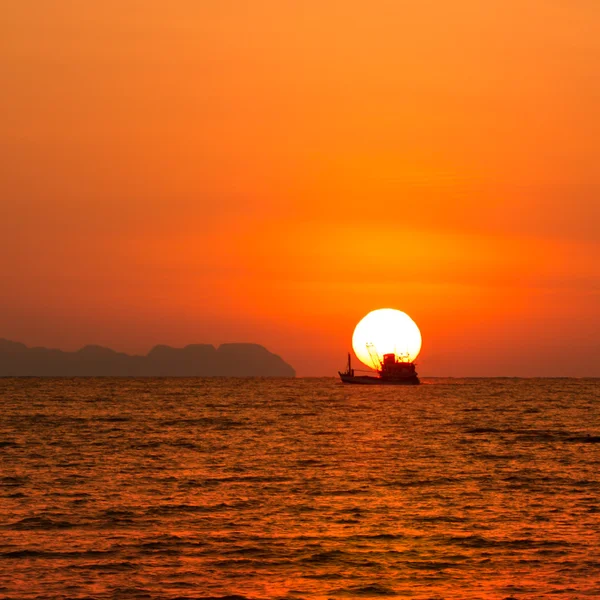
(270, 171)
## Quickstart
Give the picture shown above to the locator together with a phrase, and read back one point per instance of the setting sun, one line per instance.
(386, 331)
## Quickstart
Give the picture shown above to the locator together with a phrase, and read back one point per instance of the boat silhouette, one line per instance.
(392, 369)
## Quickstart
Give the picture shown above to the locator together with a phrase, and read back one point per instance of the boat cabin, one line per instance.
(392, 367)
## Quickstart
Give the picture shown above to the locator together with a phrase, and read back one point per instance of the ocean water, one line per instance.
(306, 488)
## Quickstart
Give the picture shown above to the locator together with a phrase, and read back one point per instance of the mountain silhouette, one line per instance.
(196, 360)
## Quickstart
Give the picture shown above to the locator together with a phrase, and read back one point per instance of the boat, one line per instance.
(393, 370)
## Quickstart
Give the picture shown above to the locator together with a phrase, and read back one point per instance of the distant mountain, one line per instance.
(197, 360)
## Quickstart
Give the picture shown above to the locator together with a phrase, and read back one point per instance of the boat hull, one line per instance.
(368, 380)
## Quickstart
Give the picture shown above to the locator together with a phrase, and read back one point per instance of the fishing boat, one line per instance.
(393, 370)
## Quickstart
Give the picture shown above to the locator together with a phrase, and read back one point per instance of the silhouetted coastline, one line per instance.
(196, 360)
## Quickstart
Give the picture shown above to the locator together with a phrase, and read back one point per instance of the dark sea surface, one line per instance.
(306, 488)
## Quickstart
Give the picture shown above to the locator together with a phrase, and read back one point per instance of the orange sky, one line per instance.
(270, 171)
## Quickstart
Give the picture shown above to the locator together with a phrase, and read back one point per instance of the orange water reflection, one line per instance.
(299, 489)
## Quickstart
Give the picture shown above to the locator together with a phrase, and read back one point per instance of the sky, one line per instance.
(270, 171)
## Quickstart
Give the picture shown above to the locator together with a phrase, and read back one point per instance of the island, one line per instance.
(195, 360)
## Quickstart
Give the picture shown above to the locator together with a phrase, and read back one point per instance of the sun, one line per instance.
(386, 331)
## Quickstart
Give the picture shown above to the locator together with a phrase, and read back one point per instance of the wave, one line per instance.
(250, 479)
(230, 597)
(373, 589)
(217, 422)
(169, 509)
(8, 444)
(107, 567)
(477, 541)
(13, 481)
(57, 555)
(43, 523)
(326, 557)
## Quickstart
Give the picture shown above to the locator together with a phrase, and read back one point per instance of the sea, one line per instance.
(299, 488)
